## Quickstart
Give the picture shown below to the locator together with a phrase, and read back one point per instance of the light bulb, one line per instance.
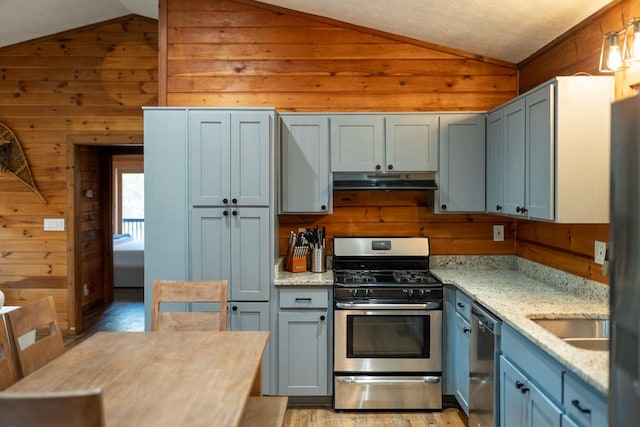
(614, 61)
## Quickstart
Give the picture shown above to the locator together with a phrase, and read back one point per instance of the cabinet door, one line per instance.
(514, 139)
(166, 198)
(513, 403)
(462, 362)
(253, 316)
(495, 162)
(411, 143)
(461, 177)
(250, 158)
(210, 156)
(541, 410)
(210, 244)
(250, 249)
(540, 154)
(357, 143)
(448, 341)
(305, 164)
(303, 356)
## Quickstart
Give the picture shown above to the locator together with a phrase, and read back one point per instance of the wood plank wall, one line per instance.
(240, 53)
(87, 84)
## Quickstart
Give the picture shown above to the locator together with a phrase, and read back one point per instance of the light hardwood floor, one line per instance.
(127, 314)
(324, 417)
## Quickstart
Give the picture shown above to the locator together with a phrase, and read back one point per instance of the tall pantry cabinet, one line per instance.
(210, 206)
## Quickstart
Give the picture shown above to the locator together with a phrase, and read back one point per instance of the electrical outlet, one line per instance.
(599, 252)
(85, 290)
(498, 233)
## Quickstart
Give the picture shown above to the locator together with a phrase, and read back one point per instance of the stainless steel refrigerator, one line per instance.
(624, 276)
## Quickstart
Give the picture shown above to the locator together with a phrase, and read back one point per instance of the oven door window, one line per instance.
(388, 336)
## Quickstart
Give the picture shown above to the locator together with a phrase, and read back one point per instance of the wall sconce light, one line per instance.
(613, 57)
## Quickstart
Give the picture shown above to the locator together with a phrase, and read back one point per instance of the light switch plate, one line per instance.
(498, 233)
(54, 224)
(599, 252)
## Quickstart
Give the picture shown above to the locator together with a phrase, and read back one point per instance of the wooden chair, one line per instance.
(8, 374)
(52, 409)
(36, 335)
(166, 291)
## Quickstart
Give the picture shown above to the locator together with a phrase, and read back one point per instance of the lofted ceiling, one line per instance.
(507, 30)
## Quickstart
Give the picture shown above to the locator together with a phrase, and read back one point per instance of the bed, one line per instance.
(128, 262)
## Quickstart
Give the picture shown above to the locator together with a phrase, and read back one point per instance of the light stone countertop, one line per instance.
(307, 278)
(516, 298)
(516, 290)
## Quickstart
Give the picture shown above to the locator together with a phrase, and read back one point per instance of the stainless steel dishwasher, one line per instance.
(483, 367)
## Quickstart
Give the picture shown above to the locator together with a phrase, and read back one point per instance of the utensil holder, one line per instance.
(318, 260)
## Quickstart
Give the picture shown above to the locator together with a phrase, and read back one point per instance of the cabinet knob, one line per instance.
(461, 305)
(498, 207)
(378, 167)
(576, 403)
(322, 318)
(519, 384)
(323, 207)
(521, 210)
(225, 213)
(390, 167)
(466, 330)
(234, 308)
(225, 201)
(234, 200)
(523, 390)
(235, 213)
(443, 207)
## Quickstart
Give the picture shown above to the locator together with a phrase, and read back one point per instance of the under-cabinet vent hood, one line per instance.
(384, 181)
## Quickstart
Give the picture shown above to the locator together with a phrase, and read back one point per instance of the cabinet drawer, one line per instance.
(297, 298)
(544, 370)
(583, 403)
(463, 305)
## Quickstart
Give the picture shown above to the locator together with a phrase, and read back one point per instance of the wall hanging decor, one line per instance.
(13, 160)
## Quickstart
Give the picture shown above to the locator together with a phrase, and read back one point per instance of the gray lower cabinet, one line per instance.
(252, 316)
(457, 314)
(536, 390)
(303, 350)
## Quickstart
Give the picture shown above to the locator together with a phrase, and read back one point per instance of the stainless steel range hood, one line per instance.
(384, 181)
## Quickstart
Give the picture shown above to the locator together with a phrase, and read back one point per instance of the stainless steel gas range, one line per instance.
(387, 324)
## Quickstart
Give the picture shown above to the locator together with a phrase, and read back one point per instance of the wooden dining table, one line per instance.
(161, 378)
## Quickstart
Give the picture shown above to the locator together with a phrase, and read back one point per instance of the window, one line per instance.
(128, 196)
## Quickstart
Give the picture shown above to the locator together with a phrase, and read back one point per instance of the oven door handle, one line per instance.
(434, 305)
(387, 380)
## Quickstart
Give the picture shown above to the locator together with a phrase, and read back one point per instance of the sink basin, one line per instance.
(584, 333)
(600, 344)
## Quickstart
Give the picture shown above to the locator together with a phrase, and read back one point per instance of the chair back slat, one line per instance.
(172, 291)
(52, 409)
(8, 374)
(36, 335)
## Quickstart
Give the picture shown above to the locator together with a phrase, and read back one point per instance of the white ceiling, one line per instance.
(508, 30)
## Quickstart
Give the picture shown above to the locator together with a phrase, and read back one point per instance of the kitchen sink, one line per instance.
(584, 333)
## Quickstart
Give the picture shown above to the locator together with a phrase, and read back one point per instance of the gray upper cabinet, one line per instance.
(495, 162)
(461, 175)
(411, 143)
(227, 155)
(556, 144)
(305, 185)
(357, 143)
(384, 143)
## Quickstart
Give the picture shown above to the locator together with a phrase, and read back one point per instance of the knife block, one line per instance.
(296, 264)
